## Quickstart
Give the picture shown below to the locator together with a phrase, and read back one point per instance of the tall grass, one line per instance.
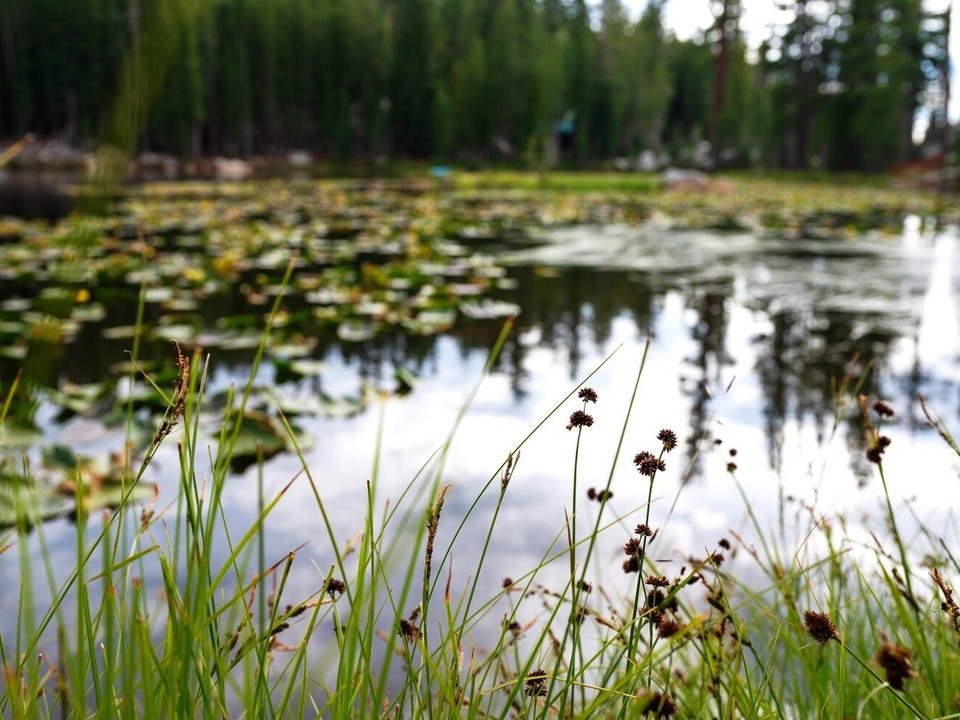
(756, 627)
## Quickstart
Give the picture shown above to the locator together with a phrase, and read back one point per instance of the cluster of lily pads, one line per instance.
(204, 264)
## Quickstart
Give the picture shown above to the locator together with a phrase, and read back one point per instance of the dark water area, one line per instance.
(757, 339)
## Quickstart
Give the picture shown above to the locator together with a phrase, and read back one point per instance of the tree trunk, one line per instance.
(720, 66)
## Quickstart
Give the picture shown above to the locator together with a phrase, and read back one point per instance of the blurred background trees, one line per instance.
(842, 84)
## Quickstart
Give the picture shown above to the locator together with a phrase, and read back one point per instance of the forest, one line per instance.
(842, 85)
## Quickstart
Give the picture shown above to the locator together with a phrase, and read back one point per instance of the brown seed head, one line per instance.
(578, 418)
(896, 664)
(883, 409)
(657, 704)
(409, 631)
(648, 464)
(668, 628)
(335, 587)
(587, 394)
(536, 684)
(820, 627)
(668, 438)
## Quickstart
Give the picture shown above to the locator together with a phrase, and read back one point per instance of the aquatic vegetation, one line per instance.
(394, 625)
(376, 265)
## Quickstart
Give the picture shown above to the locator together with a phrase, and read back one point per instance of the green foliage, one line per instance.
(176, 612)
(169, 608)
(848, 78)
(838, 86)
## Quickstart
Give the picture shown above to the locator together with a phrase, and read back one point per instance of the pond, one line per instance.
(760, 340)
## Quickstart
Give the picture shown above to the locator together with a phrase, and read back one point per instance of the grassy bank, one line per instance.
(811, 623)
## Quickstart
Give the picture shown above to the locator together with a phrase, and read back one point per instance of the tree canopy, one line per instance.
(843, 84)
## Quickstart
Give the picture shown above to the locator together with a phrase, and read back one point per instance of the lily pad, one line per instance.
(489, 309)
(111, 494)
(356, 331)
(16, 305)
(94, 312)
(343, 407)
(406, 381)
(14, 352)
(158, 294)
(260, 436)
(430, 322)
(293, 350)
(121, 332)
(299, 404)
(304, 367)
(231, 341)
(77, 399)
(26, 503)
(16, 435)
(180, 333)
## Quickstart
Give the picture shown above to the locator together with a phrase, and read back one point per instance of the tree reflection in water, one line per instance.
(805, 346)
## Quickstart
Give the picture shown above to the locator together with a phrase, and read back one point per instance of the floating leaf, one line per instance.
(300, 404)
(12, 327)
(112, 494)
(92, 471)
(306, 367)
(488, 309)
(371, 309)
(180, 333)
(406, 381)
(430, 322)
(16, 305)
(121, 332)
(17, 435)
(14, 352)
(26, 503)
(158, 294)
(79, 399)
(294, 350)
(260, 436)
(94, 312)
(246, 341)
(465, 289)
(356, 331)
(344, 407)
(327, 296)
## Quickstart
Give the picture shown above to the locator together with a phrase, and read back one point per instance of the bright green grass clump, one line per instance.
(843, 631)
(556, 180)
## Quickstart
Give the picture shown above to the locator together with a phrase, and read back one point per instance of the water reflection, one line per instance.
(754, 340)
(827, 317)
(780, 329)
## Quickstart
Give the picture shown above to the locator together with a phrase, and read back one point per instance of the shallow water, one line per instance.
(752, 336)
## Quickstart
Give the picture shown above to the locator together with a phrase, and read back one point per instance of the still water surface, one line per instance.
(752, 337)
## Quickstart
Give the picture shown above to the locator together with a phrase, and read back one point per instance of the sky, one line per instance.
(686, 17)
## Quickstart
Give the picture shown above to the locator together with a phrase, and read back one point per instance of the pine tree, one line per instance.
(412, 89)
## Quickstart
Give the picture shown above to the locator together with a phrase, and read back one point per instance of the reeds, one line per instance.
(173, 611)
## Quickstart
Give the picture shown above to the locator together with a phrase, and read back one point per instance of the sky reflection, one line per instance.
(752, 338)
(729, 367)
